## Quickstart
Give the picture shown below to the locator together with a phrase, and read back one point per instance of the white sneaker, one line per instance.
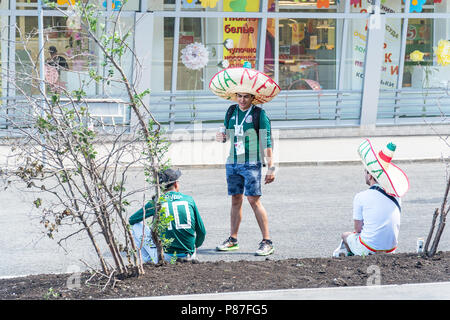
(340, 251)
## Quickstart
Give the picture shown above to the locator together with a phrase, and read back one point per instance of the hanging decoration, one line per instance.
(355, 2)
(323, 3)
(116, 4)
(188, 4)
(416, 5)
(68, 2)
(209, 3)
(443, 52)
(437, 1)
(194, 56)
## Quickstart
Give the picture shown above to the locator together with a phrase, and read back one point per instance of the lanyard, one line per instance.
(245, 117)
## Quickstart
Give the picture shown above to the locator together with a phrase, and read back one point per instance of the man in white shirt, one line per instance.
(376, 220)
(376, 211)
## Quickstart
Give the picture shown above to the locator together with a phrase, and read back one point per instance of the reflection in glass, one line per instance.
(307, 54)
(190, 32)
(419, 38)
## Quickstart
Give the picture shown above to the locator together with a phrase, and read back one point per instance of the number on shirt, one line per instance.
(175, 205)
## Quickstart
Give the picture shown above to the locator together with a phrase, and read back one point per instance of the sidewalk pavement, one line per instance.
(416, 291)
(292, 152)
(290, 148)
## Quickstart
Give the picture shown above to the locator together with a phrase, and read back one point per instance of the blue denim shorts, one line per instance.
(242, 176)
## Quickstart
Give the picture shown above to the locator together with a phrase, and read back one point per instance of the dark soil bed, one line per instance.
(211, 277)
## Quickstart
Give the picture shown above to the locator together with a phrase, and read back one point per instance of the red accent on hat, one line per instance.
(384, 157)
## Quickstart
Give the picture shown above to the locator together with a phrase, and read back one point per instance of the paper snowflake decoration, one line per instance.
(194, 56)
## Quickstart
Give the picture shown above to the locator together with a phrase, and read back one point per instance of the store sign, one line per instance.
(243, 32)
(390, 50)
(297, 31)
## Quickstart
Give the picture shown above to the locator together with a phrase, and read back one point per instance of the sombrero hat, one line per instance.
(393, 180)
(227, 82)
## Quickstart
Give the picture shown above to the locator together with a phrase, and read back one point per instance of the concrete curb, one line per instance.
(411, 291)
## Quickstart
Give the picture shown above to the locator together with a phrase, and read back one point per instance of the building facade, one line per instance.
(338, 63)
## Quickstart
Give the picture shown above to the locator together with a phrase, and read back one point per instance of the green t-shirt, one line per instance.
(186, 229)
(252, 146)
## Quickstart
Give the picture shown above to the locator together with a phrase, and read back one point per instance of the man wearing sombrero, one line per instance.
(376, 211)
(248, 129)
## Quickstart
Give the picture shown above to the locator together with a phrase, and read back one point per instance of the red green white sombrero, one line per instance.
(393, 180)
(227, 82)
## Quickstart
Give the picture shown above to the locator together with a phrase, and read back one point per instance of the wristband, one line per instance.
(272, 169)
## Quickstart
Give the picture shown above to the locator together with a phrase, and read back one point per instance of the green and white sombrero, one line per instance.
(393, 180)
(227, 82)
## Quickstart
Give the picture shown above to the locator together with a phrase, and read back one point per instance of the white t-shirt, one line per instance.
(381, 219)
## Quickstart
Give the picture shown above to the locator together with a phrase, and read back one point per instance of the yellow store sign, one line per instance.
(243, 32)
(63, 2)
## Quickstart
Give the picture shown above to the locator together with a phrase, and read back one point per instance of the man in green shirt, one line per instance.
(243, 170)
(186, 229)
(248, 128)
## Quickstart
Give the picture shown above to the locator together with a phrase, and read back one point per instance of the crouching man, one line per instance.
(186, 230)
(376, 211)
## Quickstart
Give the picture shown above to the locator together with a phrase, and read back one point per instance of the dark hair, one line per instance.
(168, 186)
(52, 49)
(368, 172)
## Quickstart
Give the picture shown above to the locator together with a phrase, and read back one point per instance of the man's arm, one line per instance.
(268, 151)
(358, 225)
(138, 215)
(200, 231)
(270, 175)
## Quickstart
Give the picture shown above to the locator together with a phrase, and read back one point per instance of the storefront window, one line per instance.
(163, 57)
(421, 67)
(203, 37)
(26, 4)
(26, 70)
(168, 5)
(69, 55)
(307, 54)
(304, 5)
(391, 47)
(419, 38)
(355, 53)
(155, 5)
(190, 76)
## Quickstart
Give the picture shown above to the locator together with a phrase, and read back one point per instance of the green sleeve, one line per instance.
(200, 230)
(264, 123)
(137, 216)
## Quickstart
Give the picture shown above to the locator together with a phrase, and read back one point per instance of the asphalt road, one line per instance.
(308, 206)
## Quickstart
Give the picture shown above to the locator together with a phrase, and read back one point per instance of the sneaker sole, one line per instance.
(227, 249)
(265, 254)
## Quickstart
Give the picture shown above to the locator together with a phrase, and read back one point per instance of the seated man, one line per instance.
(376, 211)
(186, 229)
